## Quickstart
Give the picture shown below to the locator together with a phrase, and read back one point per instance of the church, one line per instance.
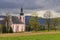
(17, 24)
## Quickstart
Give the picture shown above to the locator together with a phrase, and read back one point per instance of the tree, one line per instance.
(8, 23)
(48, 16)
(33, 22)
(56, 23)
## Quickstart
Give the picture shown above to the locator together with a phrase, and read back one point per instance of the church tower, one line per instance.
(22, 18)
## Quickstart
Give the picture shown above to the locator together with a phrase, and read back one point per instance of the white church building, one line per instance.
(17, 24)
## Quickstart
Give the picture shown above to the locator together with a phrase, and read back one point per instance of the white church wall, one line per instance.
(21, 27)
(14, 28)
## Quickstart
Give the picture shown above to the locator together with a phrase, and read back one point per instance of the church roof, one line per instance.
(16, 20)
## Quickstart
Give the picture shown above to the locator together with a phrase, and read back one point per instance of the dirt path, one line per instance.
(27, 33)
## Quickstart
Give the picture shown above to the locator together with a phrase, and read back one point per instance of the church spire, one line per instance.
(21, 12)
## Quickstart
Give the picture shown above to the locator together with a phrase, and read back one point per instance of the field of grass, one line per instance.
(31, 36)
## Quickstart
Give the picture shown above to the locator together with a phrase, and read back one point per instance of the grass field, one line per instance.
(31, 36)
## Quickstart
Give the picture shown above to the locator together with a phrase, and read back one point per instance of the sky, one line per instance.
(28, 5)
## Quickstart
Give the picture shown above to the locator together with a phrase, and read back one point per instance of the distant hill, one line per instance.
(2, 19)
(41, 20)
(27, 18)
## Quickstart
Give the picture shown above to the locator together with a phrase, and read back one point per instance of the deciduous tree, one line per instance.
(34, 24)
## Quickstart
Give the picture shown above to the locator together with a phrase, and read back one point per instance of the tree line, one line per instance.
(50, 22)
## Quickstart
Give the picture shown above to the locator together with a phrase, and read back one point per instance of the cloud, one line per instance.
(28, 5)
(42, 12)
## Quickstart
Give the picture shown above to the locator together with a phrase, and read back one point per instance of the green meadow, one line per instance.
(31, 36)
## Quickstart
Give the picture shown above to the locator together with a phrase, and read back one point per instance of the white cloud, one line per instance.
(42, 12)
(28, 5)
